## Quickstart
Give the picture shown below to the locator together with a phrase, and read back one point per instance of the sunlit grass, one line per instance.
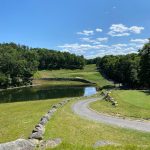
(89, 72)
(131, 103)
(18, 119)
(80, 134)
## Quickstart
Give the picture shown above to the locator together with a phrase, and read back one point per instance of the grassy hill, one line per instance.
(89, 73)
(132, 103)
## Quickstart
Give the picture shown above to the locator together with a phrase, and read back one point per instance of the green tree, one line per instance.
(145, 66)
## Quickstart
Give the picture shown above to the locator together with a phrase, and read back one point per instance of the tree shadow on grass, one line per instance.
(147, 92)
(108, 87)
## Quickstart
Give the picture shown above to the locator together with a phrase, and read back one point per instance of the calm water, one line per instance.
(44, 92)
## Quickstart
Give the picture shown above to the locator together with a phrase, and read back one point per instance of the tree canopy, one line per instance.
(18, 63)
(144, 73)
(132, 70)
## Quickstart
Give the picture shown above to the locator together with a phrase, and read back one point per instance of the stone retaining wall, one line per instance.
(36, 137)
(110, 99)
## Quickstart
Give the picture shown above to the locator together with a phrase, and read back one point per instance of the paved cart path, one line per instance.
(82, 108)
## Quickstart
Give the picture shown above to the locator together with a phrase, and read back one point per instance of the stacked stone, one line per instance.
(39, 129)
(36, 137)
(108, 98)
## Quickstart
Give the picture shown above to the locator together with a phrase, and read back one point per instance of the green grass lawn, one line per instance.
(59, 83)
(132, 103)
(18, 119)
(89, 72)
(80, 134)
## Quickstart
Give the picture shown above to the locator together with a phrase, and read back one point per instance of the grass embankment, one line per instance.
(18, 119)
(80, 134)
(131, 103)
(89, 73)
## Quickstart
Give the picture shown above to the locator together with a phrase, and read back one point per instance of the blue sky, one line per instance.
(86, 27)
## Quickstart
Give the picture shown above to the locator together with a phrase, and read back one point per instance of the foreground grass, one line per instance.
(89, 72)
(132, 103)
(18, 119)
(80, 134)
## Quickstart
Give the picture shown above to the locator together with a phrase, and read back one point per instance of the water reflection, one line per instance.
(89, 91)
(44, 92)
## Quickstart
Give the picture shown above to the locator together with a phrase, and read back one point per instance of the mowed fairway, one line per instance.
(18, 119)
(131, 103)
(89, 72)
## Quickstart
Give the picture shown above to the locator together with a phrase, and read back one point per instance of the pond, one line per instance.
(44, 92)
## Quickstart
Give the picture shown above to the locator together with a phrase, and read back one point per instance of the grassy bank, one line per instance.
(132, 103)
(18, 119)
(80, 134)
(89, 73)
(58, 83)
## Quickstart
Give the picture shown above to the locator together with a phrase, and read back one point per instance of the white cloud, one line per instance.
(98, 30)
(119, 28)
(86, 32)
(122, 30)
(76, 47)
(140, 41)
(92, 47)
(105, 39)
(91, 51)
(87, 40)
(136, 29)
(95, 41)
(119, 45)
(112, 33)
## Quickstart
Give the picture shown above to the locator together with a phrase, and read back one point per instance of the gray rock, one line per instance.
(20, 144)
(56, 106)
(34, 141)
(52, 143)
(39, 125)
(47, 116)
(62, 103)
(39, 129)
(115, 103)
(50, 115)
(52, 110)
(36, 135)
(103, 143)
(43, 121)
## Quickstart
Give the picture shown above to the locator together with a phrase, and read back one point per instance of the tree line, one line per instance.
(132, 70)
(18, 63)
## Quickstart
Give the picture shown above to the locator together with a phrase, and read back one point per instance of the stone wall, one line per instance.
(36, 137)
(109, 98)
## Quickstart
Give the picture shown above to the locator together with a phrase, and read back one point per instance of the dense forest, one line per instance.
(18, 63)
(132, 70)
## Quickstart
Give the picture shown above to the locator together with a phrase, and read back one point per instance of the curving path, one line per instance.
(81, 108)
